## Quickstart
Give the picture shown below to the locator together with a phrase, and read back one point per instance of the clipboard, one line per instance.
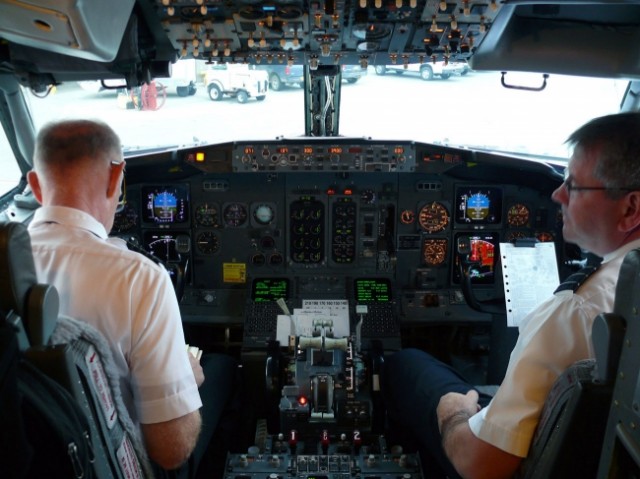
(530, 276)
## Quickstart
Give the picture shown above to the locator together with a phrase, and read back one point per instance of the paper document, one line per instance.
(530, 276)
(329, 315)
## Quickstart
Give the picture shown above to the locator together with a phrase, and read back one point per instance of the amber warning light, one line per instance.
(200, 157)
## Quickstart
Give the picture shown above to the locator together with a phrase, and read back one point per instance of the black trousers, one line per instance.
(220, 378)
(412, 384)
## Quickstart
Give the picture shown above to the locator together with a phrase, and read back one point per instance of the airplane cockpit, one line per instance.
(329, 182)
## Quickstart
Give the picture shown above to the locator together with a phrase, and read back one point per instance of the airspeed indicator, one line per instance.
(433, 217)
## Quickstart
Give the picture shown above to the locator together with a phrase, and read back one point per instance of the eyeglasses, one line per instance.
(122, 200)
(568, 184)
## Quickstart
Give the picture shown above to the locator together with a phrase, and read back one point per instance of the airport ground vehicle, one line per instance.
(281, 75)
(377, 180)
(426, 70)
(352, 73)
(236, 81)
(182, 81)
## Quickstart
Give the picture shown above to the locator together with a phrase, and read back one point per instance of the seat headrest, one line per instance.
(628, 284)
(18, 271)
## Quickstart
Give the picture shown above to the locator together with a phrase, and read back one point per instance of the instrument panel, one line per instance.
(320, 213)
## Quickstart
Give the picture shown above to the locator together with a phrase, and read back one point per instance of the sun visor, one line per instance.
(90, 30)
(585, 39)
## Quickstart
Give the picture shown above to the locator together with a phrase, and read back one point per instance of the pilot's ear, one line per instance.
(115, 179)
(631, 213)
(34, 184)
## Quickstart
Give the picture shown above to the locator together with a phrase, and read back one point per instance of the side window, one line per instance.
(9, 171)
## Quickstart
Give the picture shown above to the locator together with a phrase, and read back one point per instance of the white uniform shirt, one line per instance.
(129, 299)
(554, 336)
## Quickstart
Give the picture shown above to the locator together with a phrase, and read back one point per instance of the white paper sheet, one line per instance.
(530, 276)
(333, 313)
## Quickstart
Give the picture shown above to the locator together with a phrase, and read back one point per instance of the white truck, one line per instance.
(426, 70)
(236, 80)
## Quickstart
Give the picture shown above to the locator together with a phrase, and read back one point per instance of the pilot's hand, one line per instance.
(457, 404)
(197, 369)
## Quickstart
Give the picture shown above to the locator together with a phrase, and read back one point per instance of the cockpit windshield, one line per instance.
(464, 108)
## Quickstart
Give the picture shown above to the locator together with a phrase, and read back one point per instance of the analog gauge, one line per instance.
(544, 237)
(207, 242)
(258, 259)
(207, 215)
(267, 242)
(434, 251)
(276, 259)
(407, 217)
(263, 214)
(518, 215)
(234, 214)
(514, 235)
(368, 196)
(125, 219)
(433, 217)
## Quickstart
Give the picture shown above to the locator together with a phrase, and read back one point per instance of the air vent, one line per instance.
(428, 186)
(215, 185)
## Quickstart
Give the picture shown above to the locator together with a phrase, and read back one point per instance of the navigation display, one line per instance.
(482, 250)
(478, 205)
(372, 290)
(165, 204)
(269, 289)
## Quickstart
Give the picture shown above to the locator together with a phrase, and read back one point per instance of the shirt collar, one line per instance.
(69, 217)
(621, 251)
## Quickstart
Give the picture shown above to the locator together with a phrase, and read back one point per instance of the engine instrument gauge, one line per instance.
(207, 215)
(234, 214)
(518, 215)
(434, 251)
(433, 217)
(207, 242)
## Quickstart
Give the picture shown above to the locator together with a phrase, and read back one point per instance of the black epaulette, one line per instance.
(577, 279)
